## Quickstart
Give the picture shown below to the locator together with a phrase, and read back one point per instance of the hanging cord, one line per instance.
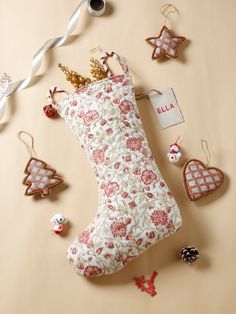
(177, 140)
(97, 49)
(207, 153)
(167, 9)
(146, 94)
(29, 147)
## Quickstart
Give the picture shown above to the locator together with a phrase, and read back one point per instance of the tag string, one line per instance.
(146, 94)
(167, 9)
(207, 153)
(29, 147)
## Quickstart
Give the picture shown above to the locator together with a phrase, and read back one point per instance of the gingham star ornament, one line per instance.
(165, 44)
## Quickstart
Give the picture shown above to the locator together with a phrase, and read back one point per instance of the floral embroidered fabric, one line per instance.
(136, 208)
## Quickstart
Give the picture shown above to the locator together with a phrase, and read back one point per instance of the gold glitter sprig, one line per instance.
(79, 81)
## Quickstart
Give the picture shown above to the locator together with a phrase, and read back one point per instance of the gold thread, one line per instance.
(206, 150)
(98, 48)
(165, 7)
(30, 148)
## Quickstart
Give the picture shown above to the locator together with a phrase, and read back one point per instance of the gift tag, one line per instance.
(166, 108)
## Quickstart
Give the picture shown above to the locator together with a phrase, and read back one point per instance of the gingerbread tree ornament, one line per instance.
(40, 179)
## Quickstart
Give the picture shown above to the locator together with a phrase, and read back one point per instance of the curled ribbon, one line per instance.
(37, 59)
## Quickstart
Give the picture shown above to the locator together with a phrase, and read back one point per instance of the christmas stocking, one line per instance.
(136, 208)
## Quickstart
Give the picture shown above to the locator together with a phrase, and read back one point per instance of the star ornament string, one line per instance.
(95, 7)
(166, 10)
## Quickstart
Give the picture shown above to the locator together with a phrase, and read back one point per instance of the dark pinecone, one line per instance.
(189, 254)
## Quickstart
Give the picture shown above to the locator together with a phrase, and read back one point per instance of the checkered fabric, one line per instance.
(40, 178)
(201, 180)
(165, 44)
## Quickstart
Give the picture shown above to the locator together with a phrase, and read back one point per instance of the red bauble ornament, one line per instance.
(49, 111)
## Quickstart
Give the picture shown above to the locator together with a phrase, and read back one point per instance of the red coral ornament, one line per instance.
(147, 285)
(49, 111)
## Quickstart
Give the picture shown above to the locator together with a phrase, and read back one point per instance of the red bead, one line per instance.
(49, 111)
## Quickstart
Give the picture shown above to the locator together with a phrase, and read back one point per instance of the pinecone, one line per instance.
(189, 254)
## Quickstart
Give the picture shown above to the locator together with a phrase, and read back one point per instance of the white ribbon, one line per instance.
(37, 59)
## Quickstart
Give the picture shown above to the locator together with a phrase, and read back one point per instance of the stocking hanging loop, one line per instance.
(122, 62)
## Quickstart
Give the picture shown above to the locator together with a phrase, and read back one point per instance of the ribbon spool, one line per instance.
(96, 7)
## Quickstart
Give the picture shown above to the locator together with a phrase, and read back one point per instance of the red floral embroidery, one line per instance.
(99, 95)
(128, 259)
(134, 143)
(124, 194)
(117, 165)
(116, 101)
(109, 89)
(84, 237)
(132, 204)
(110, 245)
(92, 271)
(73, 103)
(99, 250)
(150, 195)
(128, 158)
(81, 114)
(118, 229)
(148, 176)
(80, 266)
(117, 78)
(137, 171)
(98, 156)
(73, 250)
(103, 122)
(151, 235)
(109, 131)
(90, 117)
(111, 188)
(126, 106)
(159, 217)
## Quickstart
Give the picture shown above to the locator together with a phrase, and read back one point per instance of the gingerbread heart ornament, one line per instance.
(201, 180)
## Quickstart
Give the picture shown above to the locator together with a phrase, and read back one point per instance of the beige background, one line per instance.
(35, 277)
